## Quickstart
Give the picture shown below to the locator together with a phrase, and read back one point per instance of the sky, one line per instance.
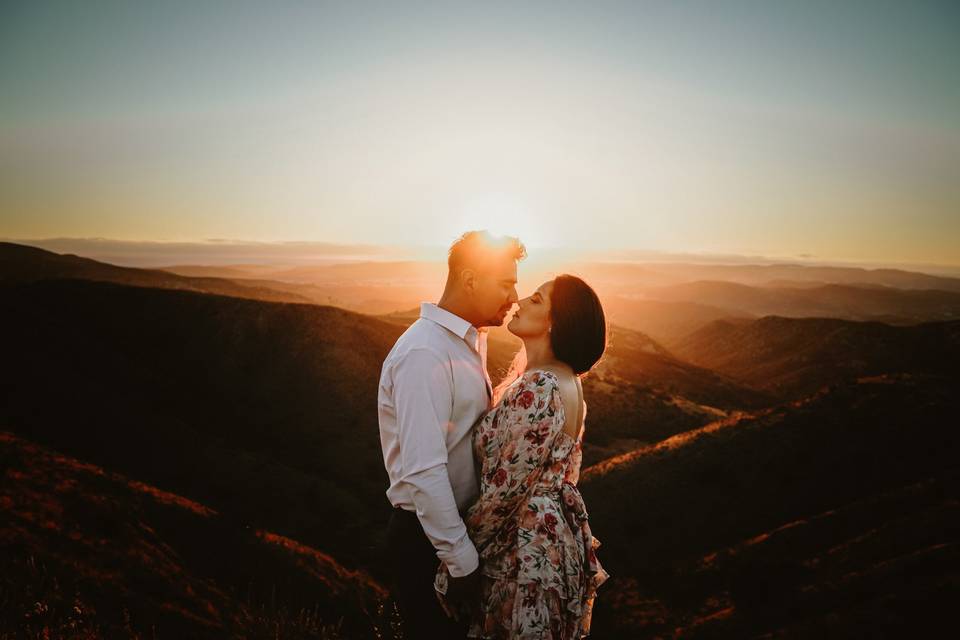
(811, 130)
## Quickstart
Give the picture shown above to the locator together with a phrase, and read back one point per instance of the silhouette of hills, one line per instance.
(258, 409)
(367, 287)
(664, 320)
(86, 552)
(795, 356)
(653, 274)
(887, 304)
(833, 516)
(667, 301)
(21, 263)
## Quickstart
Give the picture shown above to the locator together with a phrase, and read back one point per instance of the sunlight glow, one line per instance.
(503, 214)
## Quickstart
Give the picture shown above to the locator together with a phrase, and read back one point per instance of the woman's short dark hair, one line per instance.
(578, 333)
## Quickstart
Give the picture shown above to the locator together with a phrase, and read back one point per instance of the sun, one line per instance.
(502, 214)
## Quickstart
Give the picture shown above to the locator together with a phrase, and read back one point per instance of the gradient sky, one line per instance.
(824, 129)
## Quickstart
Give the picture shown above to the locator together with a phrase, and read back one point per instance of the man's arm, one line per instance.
(423, 399)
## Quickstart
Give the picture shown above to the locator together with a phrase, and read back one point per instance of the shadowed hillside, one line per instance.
(85, 552)
(265, 411)
(640, 393)
(835, 516)
(795, 356)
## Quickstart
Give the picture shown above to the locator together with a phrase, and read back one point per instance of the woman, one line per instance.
(539, 572)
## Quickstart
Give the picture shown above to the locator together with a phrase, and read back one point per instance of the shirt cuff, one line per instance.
(463, 560)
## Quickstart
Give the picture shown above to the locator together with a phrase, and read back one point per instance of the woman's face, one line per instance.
(532, 318)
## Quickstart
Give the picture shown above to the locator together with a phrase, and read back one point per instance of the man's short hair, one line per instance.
(478, 249)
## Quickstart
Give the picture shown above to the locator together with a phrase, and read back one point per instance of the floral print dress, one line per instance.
(537, 554)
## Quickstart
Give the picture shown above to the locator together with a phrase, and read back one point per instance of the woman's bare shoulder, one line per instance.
(568, 385)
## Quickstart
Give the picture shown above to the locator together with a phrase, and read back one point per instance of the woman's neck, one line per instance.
(539, 353)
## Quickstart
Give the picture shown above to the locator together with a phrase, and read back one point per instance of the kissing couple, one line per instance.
(489, 536)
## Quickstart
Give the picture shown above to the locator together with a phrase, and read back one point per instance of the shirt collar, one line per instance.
(454, 323)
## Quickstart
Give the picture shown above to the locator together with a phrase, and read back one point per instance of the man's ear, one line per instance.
(468, 280)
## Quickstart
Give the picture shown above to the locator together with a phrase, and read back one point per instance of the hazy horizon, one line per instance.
(223, 252)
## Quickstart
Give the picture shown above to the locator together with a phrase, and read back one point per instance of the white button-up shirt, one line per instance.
(434, 386)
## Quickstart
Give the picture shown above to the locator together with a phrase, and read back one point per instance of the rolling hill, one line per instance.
(791, 357)
(865, 303)
(834, 516)
(262, 410)
(85, 552)
(664, 320)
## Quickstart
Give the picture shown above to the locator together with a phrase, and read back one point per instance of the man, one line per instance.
(434, 386)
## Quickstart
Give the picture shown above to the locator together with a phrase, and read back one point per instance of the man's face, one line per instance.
(496, 292)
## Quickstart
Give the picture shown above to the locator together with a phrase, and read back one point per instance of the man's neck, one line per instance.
(447, 303)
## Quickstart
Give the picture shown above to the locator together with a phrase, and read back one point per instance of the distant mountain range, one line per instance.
(667, 301)
(20, 263)
(653, 274)
(875, 302)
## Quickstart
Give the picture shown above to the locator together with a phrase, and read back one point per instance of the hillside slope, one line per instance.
(85, 552)
(263, 410)
(830, 515)
(795, 356)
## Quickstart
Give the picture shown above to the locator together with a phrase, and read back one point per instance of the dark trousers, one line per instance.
(413, 564)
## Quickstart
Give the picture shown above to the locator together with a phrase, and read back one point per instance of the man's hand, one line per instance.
(465, 589)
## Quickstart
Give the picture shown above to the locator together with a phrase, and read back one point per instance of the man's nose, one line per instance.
(513, 296)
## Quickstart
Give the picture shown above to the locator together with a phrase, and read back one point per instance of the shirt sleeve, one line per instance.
(423, 399)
